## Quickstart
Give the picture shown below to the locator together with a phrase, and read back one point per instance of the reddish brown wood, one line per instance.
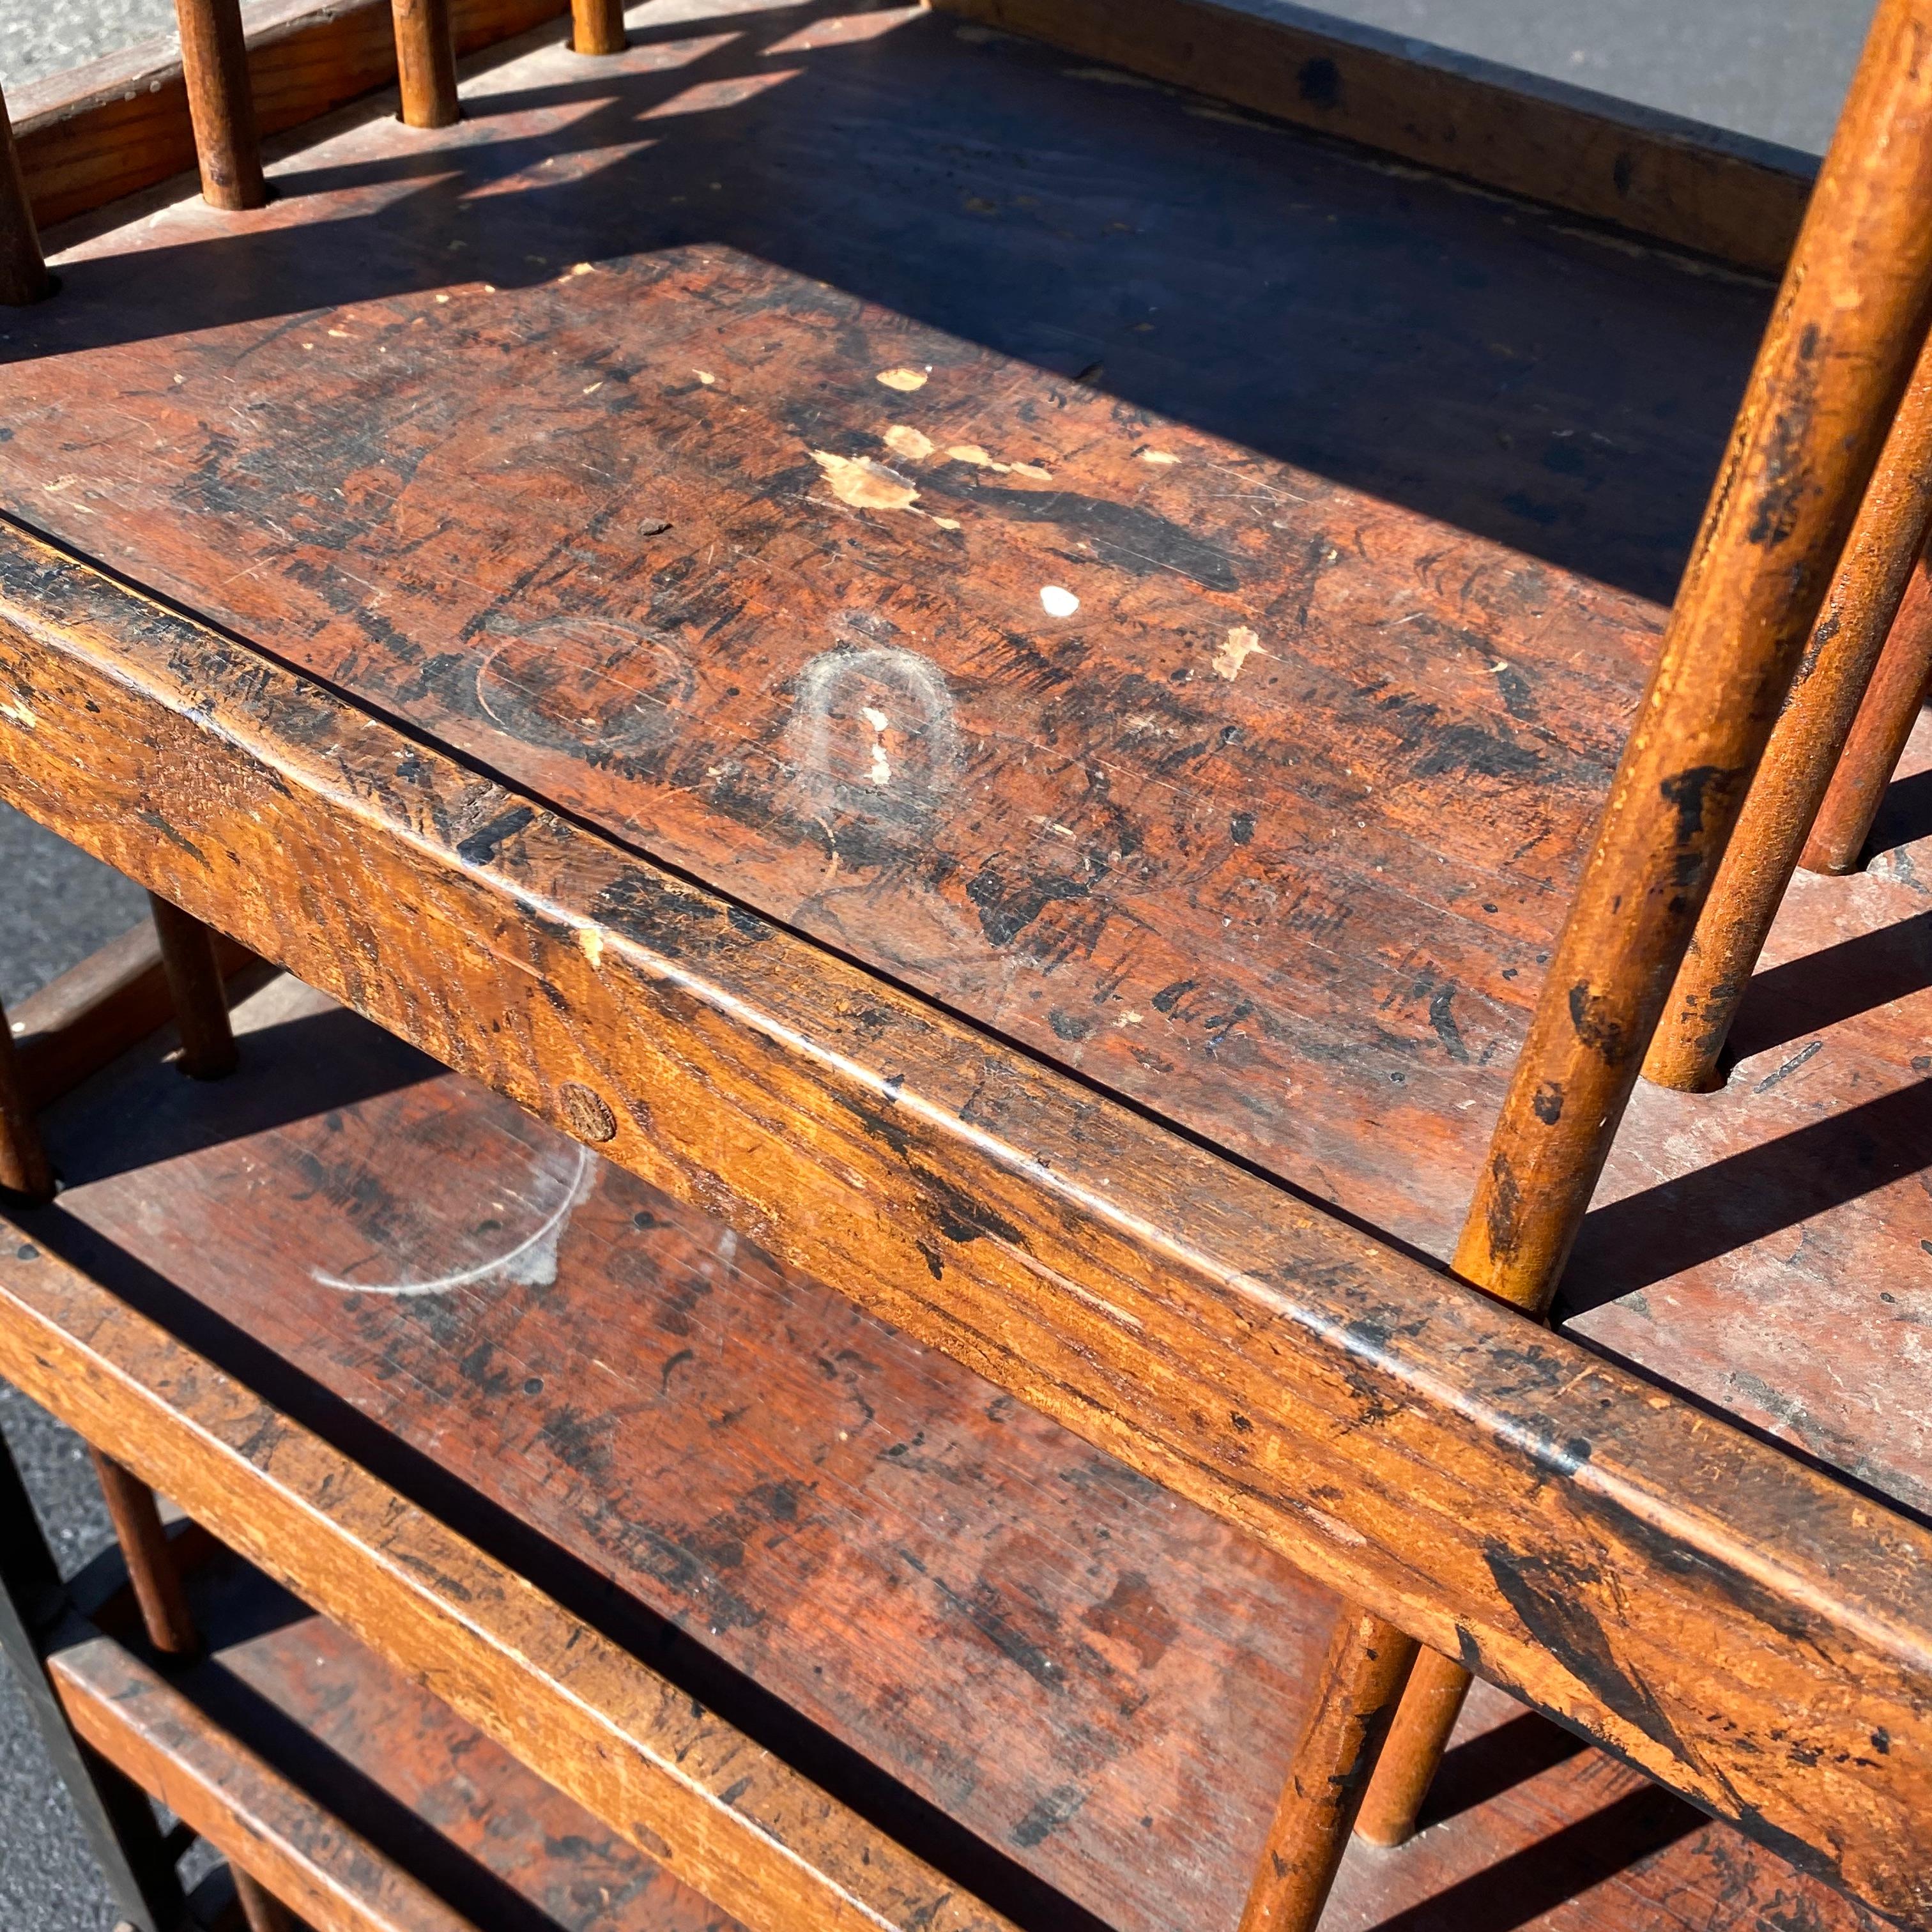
(198, 990)
(263, 1911)
(597, 26)
(24, 1169)
(1431, 1703)
(1878, 737)
(1355, 1696)
(1804, 752)
(151, 1566)
(214, 64)
(1806, 442)
(426, 62)
(23, 269)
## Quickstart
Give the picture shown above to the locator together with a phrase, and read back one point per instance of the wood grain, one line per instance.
(426, 62)
(597, 26)
(725, 1816)
(151, 1566)
(214, 68)
(1391, 1433)
(1673, 180)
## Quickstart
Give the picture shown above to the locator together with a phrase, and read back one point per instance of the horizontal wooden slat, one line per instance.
(1630, 1564)
(242, 1805)
(722, 1815)
(1671, 180)
(88, 137)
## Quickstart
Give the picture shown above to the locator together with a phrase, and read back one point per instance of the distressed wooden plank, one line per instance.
(1389, 1433)
(1671, 180)
(708, 1805)
(120, 123)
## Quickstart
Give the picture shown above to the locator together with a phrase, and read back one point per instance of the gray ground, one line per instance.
(1775, 68)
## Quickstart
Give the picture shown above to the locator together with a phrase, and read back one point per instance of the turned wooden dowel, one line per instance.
(152, 1567)
(597, 26)
(260, 1908)
(425, 62)
(23, 268)
(1355, 1696)
(1845, 330)
(1805, 750)
(1431, 1703)
(25, 1170)
(215, 63)
(200, 995)
(1877, 741)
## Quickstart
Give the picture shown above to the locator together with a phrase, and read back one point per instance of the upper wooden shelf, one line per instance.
(713, 443)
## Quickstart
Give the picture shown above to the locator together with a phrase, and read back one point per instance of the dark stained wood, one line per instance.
(23, 270)
(597, 26)
(426, 62)
(728, 1818)
(1878, 736)
(214, 68)
(75, 1024)
(197, 991)
(1804, 751)
(1378, 1429)
(1082, 1669)
(1674, 180)
(260, 1908)
(24, 1170)
(122, 123)
(1301, 911)
(1355, 1696)
(150, 1562)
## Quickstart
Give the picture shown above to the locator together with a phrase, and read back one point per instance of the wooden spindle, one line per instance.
(1430, 1705)
(1367, 1663)
(1877, 740)
(23, 268)
(25, 1170)
(597, 26)
(426, 62)
(152, 1567)
(214, 63)
(200, 994)
(1805, 747)
(1847, 326)
(261, 1909)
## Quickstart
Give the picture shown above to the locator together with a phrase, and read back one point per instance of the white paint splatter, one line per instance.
(882, 769)
(980, 459)
(532, 1263)
(590, 944)
(1032, 469)
(902, 439)
(705, 377)
(864, 485)
(905, 379)
(20, 713)
(1158, 456)
(1241, 645)
(1058, 603)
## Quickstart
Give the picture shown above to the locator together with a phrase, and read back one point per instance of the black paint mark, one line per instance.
(1687, 794)
(1789, 1067)
(1048, 1814)
(481, 846)
(1594, 1019)
(1443, 1019)
(1319, 83)
(1549, 1103)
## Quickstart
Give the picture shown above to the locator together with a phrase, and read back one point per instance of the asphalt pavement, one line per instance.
(1774, 68)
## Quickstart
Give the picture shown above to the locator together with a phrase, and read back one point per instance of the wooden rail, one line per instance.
(1395, 1435)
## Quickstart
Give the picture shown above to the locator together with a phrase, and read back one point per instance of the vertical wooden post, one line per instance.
(260, 1908)
(1805, 750)
(25, 1170)
(1877, 741)
(1848, 321)
(214, 62)
(152, 1567)
(1368, 1663)
(200, 994)
(425, 62)
(23, 269)
(597, 26)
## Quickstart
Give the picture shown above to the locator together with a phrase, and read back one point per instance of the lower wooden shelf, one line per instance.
(795, 1611)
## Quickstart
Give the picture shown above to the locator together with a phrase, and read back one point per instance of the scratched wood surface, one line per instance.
(564, 434)
(1095, 1676)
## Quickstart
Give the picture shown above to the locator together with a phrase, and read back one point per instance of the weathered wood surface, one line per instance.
(1387, 1431)
(120, 123)
(1524, 1812)
(708, 1804)
(1674, 181)
(353, 1794)
(1295, 895)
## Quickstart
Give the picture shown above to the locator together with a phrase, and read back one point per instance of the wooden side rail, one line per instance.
(1625, 1563)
